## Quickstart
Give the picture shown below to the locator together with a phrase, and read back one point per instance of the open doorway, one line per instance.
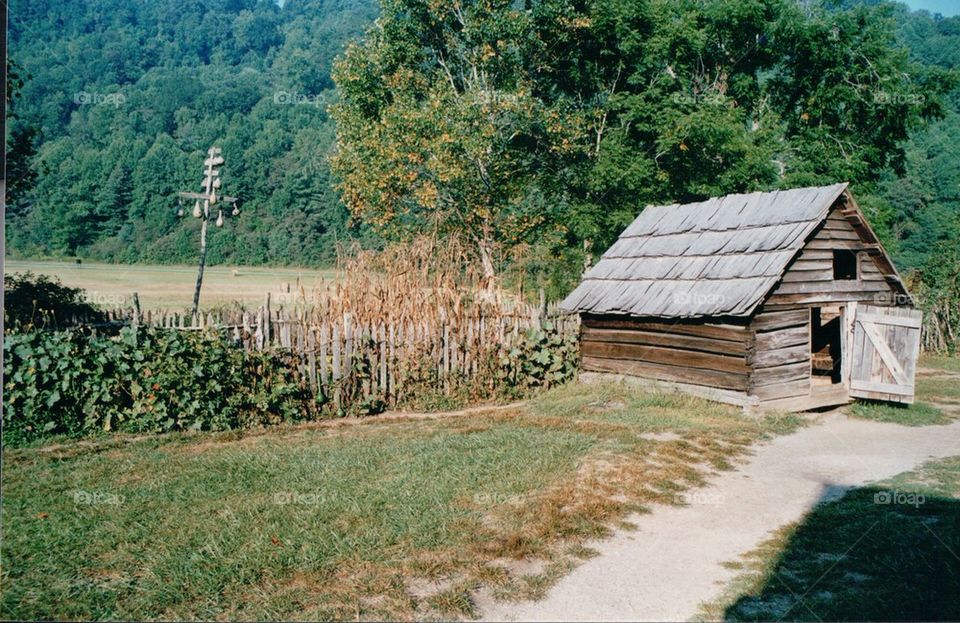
(825, 336)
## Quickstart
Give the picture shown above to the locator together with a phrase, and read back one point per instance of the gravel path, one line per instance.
(671, 563)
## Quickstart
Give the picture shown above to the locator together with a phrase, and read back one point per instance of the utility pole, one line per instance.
(203, 208)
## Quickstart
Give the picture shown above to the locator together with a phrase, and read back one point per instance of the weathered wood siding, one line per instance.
(809, 278)
(780, 357)
(712, 354)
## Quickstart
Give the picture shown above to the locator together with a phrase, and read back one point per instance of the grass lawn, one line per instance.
(171, 287)
(395, 519)
(937, 393)
(887, 552)
(917, 414)
(942, 362)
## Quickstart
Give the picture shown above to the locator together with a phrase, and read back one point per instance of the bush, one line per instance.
(148, 380)
(540, 358)
(151, 380)
(41, 301)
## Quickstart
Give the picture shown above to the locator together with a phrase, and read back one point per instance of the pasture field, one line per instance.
(171, 287)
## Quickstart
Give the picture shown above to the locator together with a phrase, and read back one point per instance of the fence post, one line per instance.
(135, 321)
(324, 338)
(392, 364)
(381, 346)
(260, 334)
(268, 320)
(542, 309)
(347, 345)
(336, 353)
(312, 361)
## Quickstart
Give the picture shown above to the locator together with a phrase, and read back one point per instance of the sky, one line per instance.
(945, 7)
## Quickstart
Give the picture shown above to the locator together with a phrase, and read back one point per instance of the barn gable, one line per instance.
(811, 278)
(725, 256)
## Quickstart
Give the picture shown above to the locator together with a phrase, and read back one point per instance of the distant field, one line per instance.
(171, 287)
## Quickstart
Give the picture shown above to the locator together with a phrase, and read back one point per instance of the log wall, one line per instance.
(780, 359)
(711, 354)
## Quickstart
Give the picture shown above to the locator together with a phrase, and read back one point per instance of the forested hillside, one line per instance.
(121, 100)
(924, 203)
(616, 104)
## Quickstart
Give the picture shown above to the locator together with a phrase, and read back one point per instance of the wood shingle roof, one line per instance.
(718, 257)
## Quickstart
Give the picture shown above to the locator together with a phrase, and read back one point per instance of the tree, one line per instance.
(441, 126)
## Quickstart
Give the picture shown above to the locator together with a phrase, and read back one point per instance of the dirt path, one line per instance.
(672, 562)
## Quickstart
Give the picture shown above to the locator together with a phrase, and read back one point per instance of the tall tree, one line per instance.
(441, 125)
(560, 119)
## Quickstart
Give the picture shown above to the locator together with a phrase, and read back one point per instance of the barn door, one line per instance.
(883, 357)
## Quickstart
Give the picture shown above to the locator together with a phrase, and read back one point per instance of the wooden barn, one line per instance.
(779, 299)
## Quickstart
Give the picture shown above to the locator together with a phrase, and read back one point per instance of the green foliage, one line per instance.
(41, 301)
(77, 382)
(917, 210)
(548, 123)
(130, 95)
(441, 124)
(149, 380)
(918, 414)
(540, 358)
(552, 123)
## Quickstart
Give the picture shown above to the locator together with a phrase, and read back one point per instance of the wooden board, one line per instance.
(709, 378)
(730, 332)
(670, 356)
(781, 356)
(832, 287)
(826, 397)
(773, 340)
(781, 374)
(787, 301)
(886, 344)
(782, 390)
(740, 399)
(667, 340)
(767, 321)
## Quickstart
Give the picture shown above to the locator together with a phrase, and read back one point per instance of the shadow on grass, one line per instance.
(875, 554)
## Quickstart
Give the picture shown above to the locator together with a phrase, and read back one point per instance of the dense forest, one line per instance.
(121, 100)
(600, 108)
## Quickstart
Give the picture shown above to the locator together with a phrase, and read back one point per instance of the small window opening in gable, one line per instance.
(845, 264)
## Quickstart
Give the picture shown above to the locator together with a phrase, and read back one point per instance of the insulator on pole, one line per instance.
(220, 218)
(196, 210)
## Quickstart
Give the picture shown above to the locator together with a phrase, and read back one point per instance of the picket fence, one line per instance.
(347, 359)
